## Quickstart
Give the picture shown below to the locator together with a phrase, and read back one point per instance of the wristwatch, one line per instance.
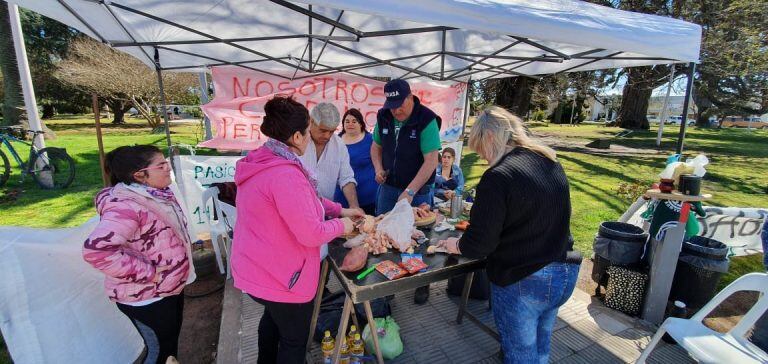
(410, 192)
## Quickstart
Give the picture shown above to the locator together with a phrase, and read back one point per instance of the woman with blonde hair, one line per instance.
(520, 223)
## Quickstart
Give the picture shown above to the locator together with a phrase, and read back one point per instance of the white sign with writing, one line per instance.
(738, 228)
(197, 174)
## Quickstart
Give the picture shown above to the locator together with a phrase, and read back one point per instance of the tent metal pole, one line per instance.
(359, 53)
(483, 58)
(421, 65)
(325, 42)
(466, 114)
(225, 40)
(490, 67)
(442, 58)
(664, 111)
(27, 87)
(117, 20)
(317, 16)
(541, 46)
(686, 102)
(204, 100)
(589, 62)
(79, 18)
(309, 41)
(163, 107)
(221, 61)
(99, 139)
(195, 31)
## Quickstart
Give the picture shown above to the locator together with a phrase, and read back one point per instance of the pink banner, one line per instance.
(238, 108)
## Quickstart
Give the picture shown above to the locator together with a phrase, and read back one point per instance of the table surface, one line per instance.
(676, 196)
(441, 266)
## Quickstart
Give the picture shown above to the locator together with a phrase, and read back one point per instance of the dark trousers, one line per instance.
(283, 332)
(369, 209)
(159, 325)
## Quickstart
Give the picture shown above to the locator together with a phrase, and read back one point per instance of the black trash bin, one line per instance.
(702, 263)
(618, 244)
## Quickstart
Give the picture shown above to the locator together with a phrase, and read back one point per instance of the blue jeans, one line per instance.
(525, 311)
(387, 196)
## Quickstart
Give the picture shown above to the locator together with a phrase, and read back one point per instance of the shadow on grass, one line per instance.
(108, 126)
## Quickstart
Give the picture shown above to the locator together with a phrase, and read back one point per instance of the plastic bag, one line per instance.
(389, 338)
(398, 224)
(690, 166)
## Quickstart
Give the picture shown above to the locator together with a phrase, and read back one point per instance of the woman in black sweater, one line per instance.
(520, 223)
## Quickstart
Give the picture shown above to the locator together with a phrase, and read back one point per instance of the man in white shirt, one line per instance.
(327, 155)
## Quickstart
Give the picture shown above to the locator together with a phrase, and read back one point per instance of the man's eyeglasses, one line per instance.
(161, 165)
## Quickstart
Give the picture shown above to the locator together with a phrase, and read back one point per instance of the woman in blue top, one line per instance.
(358, 141)
(449, 179)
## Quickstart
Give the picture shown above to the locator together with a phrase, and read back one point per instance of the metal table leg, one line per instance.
(465, 297)
(316, 308)
(374, 333)
(342, 329)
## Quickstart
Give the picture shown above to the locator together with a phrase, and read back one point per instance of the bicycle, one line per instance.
(51, 167)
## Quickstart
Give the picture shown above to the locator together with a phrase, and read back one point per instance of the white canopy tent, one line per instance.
(435, 39)
(453, 40)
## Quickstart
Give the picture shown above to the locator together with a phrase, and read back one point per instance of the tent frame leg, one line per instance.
(686, 102)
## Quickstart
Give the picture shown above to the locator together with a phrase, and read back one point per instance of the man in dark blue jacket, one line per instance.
(405, 152)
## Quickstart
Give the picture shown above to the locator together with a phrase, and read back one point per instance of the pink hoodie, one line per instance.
(280, 228)
(136, 235)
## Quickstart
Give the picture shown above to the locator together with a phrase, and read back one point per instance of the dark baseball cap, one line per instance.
(396, 91)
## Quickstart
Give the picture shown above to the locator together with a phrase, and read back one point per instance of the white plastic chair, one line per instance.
(709, 346)
(222, 223)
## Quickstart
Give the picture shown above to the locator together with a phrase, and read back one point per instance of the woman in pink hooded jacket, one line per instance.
(142, 247)
(279, 231)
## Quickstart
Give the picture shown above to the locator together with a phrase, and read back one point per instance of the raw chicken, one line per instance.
(355, 259)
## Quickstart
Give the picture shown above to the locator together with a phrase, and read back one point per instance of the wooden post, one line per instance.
(97, 118)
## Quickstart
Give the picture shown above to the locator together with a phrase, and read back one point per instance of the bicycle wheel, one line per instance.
(5, 169)
(52, 168)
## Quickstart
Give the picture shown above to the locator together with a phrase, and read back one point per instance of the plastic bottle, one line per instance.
(344, 357)
(357, 350)
(351, 335)
(327, 345)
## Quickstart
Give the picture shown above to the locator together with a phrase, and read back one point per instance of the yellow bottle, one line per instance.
(357, 350)
(327, 345)
(344, 357)
(351, 335)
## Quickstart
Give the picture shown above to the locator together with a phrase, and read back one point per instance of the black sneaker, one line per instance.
(421, 296)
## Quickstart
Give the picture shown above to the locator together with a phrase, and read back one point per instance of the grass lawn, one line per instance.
(735, 176)
(25, 204)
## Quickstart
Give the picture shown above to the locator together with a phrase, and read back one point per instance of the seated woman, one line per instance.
(358, 141)
(520, 222)
(449, 180)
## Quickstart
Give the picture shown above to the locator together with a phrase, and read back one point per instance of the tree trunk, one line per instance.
(49, 111)
(118, 108)
(634, 107)
(514, 94)
(13, 102)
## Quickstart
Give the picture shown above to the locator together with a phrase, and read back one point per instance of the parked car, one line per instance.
(755, 123)
(677, 119)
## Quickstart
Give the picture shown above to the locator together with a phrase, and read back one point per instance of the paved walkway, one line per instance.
(586, 332)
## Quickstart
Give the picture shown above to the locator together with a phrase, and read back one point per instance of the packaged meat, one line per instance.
(355, 259)
(391, 270)
(413, 263)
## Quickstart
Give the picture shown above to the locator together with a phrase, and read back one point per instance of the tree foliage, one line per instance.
(119, 79)
(732, 78)
(13, 101)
